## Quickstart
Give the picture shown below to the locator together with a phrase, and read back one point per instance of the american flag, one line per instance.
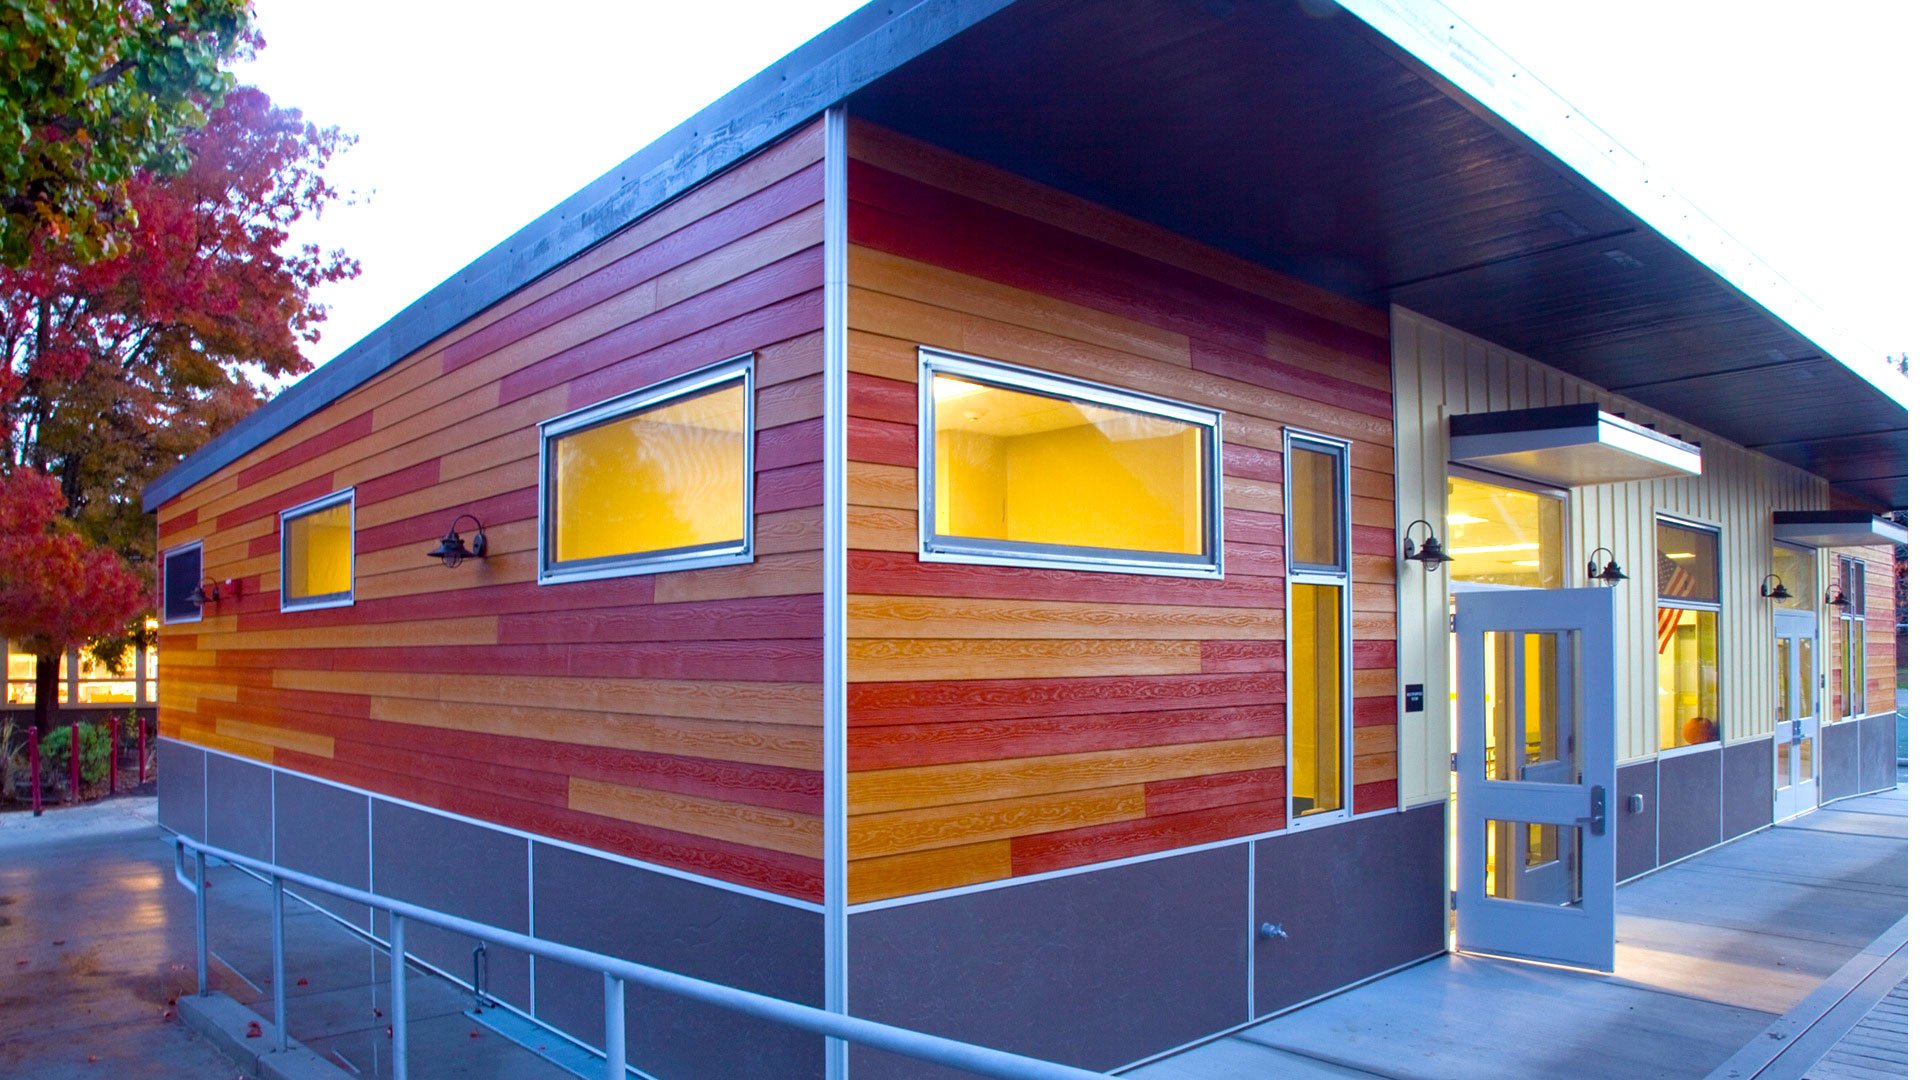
(1674, 581)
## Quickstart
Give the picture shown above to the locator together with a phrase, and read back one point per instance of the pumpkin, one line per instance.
(1698, 730)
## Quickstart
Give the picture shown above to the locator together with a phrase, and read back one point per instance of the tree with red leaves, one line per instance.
(112, 370)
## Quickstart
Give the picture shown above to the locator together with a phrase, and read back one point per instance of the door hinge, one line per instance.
(1453, 900)
(1453, 762)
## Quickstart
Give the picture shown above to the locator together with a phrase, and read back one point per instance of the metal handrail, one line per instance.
(615, 972)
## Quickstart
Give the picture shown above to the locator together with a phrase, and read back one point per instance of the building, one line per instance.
(952, 524)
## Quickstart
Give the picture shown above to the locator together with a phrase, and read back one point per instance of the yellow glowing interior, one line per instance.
(1317, 695)
(319, 559)
(1500, 536)
(666, 478)
(1315, 505)
(1689, 674)
(1014, 465)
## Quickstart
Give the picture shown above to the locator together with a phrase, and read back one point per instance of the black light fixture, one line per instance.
(1429, 554)
(1837, 595)
(207, 592)
(452, 550)
(1779, 590)
(1611, 574)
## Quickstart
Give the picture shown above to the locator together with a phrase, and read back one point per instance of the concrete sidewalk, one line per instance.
(1710, 953)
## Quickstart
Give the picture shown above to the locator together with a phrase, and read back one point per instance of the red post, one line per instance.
(140, 725)
(33, 755)
(73, 757)
(113, 751)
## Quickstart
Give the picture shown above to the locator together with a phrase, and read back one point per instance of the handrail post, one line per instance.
(279, 964)
(616, 1002)
(200, 917)
(33, 756)
(397, 994)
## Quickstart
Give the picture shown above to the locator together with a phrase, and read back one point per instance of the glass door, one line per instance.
(1796, 728)
(1536, 839)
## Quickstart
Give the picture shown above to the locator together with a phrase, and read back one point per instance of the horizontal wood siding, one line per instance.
(1441, 372)
(674, 718)
(1008, 721)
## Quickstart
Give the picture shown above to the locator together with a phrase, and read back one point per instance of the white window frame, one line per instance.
(327, 600)
(1852, 618)
(1314, 574)
(1211, 563)
(1512, 483)
(652, 562)
(1719, 610)
(165, 556)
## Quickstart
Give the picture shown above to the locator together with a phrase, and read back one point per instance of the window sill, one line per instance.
(1697, 748)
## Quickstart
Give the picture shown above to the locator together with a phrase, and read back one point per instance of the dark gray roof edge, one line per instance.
(850, 54)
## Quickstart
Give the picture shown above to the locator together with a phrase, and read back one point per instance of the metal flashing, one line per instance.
(1568, 446)
(1836, 528)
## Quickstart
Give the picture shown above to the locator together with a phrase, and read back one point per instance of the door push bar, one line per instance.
(1596, 818)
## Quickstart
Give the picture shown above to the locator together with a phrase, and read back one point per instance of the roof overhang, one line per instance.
(1378, 148)
(1568, 446)
(1836, 528)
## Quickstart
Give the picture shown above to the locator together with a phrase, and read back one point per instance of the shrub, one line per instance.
(96, 752)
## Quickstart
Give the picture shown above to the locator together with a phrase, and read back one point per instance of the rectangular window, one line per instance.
(316, 553)
(1794, 567)
(1503, 537)
(1024, 468)
(1319, 660)
(660, 479)
(179, 577)
(1687, 634)
(1850, 640)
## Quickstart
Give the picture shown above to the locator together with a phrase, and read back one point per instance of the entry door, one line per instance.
(1536, 826)
(1795, 728)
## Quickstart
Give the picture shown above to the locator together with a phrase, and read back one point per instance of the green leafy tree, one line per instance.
(94, 92)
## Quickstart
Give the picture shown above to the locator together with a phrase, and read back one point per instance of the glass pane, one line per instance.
(1795, 569)
(153, 690)
(1314, 476)
(1689, 673)
(319, 553)
(19, 665)
(1499, 536)
(1858, 588)
(181, 574)
(1533, 863)
(1806, 678)
(666, 478)
(104, 693)
(1689, 562)
(1316, 695)
(1783, 764)
(1806, 758)
(91, 668)
(19, 693)
(1039, 469)
(1783, 663)
(1527, 736)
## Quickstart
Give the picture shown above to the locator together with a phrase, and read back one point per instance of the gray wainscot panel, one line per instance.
(1095, 969)
(240, 806)
(1689, 804)
(1634, 844)
(462, 869)
(685, 927)
(1839, 761)
(180, 771)
(1354, 900)
(321, 830)
(1879, 761)
(1747, 787)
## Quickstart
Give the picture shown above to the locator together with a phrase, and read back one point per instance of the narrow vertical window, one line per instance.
(1850, 641)
(1019, 467)
(660, 479)
(1319, 730)
(316, 553)
(1687, 634)
(179, 577)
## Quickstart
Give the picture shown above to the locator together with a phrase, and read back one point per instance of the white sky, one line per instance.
(1793, 125)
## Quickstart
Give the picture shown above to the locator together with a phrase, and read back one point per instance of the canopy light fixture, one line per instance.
(452, 550)
(1611, 574)
(1837, 595)
(1779, 590)
(1429, 554)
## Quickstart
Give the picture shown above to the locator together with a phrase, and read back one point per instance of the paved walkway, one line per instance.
(1711, 951)
(1876, 1048)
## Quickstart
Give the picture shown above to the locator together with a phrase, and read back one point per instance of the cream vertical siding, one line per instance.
(1439, 372)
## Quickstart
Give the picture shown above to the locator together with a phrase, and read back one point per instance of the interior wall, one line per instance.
(1440, 372)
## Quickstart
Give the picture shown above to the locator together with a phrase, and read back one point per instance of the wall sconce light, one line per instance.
(452, 550)
(1837, 595)
(1779, 590)
(209, 592)
(1429, 554)
(1611, 574)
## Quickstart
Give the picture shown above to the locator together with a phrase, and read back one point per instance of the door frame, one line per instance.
(1804, 793)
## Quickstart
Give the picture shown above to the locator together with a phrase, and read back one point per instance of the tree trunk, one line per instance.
(46, 691)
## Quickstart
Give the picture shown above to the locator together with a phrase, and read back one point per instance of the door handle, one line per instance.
(1596, 818)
